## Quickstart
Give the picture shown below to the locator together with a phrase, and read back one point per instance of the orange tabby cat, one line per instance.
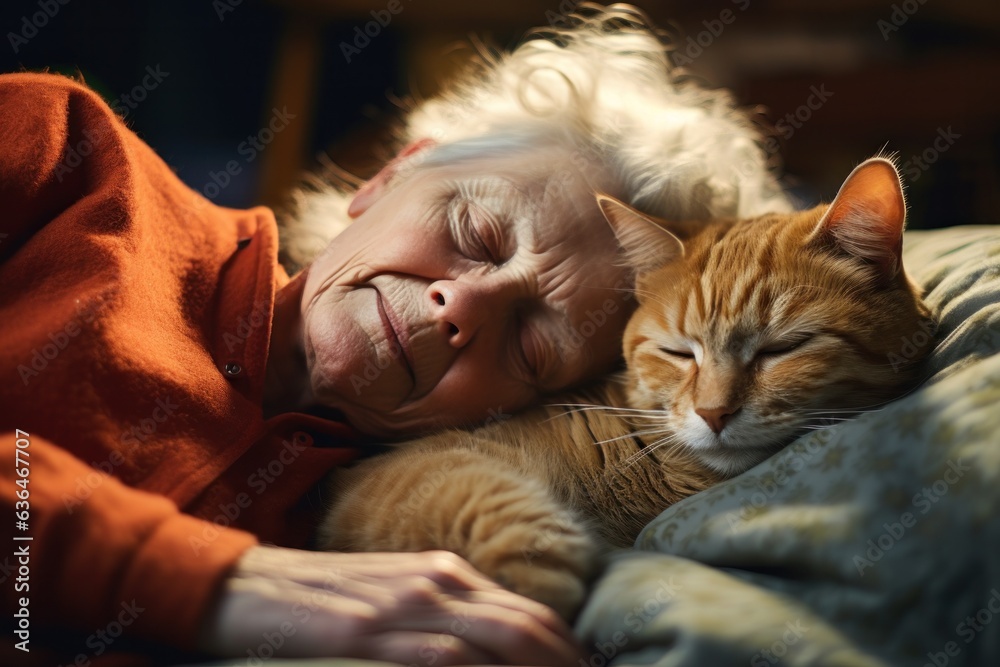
(747, 334)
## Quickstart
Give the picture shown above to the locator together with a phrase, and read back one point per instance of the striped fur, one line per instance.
(781, 323)
(788, 326)
(521, 499)
(843, 323)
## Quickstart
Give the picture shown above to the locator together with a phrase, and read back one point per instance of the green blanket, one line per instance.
(875, 542)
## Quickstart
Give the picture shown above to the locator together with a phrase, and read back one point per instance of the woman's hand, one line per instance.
(428, 608)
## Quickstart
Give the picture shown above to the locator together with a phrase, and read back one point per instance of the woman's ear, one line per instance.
(373, 189)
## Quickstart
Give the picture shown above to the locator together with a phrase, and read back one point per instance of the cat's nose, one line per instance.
(716, 418)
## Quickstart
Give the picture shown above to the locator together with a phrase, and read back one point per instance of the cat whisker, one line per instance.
(653, 296)
(850, 413)
(633, 434)
(842, 416)
(583, 407)
(670, 439)
(599, 407)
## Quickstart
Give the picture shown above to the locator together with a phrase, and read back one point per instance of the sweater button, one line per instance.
(233, 369)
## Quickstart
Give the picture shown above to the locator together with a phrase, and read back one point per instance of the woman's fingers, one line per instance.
(513, 637)
(420, 648)
(498, 623)
(443, 570)
(435, 572)
(442, 567)
(431, 607)
(540, 614)
(427, 625)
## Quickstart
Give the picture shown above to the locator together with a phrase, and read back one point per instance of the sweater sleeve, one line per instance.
(98, 547)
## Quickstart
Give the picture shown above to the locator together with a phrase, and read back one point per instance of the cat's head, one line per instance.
(748, 333)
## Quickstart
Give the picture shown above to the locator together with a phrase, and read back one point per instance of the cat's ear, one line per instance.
(867, 218)
(645, 243)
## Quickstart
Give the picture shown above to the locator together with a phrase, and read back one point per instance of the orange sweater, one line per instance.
(135, 319)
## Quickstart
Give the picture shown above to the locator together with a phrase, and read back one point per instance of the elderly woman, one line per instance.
(171, 397)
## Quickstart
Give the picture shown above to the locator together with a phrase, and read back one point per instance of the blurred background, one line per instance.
(241, 96)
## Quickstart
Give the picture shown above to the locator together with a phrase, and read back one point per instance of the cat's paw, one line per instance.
(549, 558)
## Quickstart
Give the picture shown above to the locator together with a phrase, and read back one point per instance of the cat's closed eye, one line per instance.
(783, 347)
(681, 354)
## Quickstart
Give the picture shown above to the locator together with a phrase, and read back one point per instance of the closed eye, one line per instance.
(682, 354)
(482, 250)
(482, 240)
(783, 347)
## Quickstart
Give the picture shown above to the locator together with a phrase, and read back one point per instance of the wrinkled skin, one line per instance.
(463, 291)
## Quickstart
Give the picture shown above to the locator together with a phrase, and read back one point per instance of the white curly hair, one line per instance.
(601, 85)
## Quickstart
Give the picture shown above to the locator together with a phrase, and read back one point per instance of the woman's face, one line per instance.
(465, 292)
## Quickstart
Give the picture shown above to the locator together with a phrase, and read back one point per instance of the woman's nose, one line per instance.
(461, 308)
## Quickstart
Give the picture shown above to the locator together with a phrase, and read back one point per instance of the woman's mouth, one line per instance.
(395, 333)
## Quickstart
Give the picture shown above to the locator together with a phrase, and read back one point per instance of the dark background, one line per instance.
(901, 74)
